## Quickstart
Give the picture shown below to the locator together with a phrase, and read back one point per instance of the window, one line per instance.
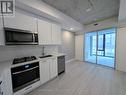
(100, 42)
(93, 42)
(110, 44)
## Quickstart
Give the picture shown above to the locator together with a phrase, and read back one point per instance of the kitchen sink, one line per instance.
(45, 56)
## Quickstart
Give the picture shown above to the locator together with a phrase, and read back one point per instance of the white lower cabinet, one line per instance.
(7, 82)
(53, 68)
(44, 71)
(48, 69)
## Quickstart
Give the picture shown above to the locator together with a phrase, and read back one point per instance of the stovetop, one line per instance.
(23, 59)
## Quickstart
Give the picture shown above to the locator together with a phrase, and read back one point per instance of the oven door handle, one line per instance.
(25, 70)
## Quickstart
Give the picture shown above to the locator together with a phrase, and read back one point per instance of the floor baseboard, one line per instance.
(70, 60)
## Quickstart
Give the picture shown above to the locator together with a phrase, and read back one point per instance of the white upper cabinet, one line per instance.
(1, 32)
(44, 32)
(21, 20)
(48, 33)
(56, 34)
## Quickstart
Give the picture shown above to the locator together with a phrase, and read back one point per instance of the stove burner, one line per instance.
(23, 59)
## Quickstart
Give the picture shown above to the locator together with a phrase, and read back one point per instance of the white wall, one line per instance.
(121, 49)
(122, 13)
(121, 38)
(68, 45)
(11, 52)
(1, 31)
(79, 42)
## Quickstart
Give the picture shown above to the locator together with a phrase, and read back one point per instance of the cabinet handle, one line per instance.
(25, 70)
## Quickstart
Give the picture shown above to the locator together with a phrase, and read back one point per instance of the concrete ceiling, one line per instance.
(77, 9)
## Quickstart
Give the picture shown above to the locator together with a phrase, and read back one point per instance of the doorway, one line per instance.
(100, 47)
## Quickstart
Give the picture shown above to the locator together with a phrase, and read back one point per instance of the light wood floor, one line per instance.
(85, 79)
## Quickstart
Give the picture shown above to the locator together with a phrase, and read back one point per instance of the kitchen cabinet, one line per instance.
(44, 71)
(53, 68)
(44, 32)
(56, 34)
(21, 20)
(6, 86)
(48, 69)
(49, 33)
(1, 31)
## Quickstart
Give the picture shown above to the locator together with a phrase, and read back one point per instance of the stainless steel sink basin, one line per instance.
(45, 56)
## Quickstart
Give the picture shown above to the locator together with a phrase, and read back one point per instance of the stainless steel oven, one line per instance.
(25, 75)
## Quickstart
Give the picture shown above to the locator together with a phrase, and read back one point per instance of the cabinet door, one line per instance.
(21, 21)
(44, 31)
(1, 32)
(56, 34)
(53, 68)
(7, 82)
(44, 71)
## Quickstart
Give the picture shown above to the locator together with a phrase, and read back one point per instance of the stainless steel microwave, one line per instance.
(20, 37)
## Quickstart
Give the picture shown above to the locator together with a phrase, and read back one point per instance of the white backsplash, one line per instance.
(51, 49)
(11, 52)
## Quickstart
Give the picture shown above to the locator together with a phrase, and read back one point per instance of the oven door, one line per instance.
(25, 75)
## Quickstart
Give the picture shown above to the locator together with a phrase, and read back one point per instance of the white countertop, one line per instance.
(59, 54)
(8, 64)
(5, 65)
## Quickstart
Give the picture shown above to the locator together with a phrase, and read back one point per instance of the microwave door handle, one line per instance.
(33, 37)
(25, 70)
